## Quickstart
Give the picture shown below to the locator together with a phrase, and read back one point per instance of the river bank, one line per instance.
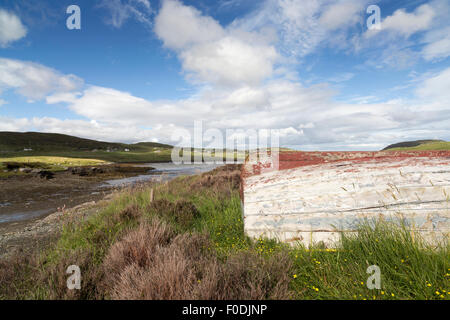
(37, 207)
(185, 239)
(33, 195)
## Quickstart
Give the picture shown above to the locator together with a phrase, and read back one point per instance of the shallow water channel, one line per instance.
(31, 205)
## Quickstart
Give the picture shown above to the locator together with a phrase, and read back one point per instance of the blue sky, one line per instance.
(139, 70)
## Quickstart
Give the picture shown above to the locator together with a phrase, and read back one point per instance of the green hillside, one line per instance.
(17, 144)
(419, 145)
(17, 141)
(34, 144)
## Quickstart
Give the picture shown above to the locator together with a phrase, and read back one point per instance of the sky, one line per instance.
(313, 71)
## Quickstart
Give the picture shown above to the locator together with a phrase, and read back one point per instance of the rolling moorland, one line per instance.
(185, 240)
(30, 144)
(38, 150)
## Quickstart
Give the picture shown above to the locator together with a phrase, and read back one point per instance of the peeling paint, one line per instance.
(315, 196)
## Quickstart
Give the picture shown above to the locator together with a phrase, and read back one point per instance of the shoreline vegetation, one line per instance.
(185, 240)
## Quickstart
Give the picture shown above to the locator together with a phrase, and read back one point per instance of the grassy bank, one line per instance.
(189, 243)
(11, 165)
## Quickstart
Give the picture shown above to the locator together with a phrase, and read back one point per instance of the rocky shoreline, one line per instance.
(73, 193)
(37, 234)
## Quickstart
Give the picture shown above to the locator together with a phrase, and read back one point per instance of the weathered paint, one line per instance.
(314, 196)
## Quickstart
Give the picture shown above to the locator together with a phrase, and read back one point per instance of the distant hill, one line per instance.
(420, 145)
(49, 142)
(152, 145)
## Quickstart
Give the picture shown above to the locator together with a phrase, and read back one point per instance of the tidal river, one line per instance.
(29, 198)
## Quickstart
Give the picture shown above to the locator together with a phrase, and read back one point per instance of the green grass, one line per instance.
(440, 145)
(43, 162)
(53, 162)
(409, 268)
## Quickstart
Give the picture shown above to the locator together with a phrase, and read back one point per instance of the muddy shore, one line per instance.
(27, 197)
(34, 235)
(33, 208)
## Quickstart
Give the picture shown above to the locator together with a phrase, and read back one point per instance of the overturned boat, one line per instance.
(312, 197)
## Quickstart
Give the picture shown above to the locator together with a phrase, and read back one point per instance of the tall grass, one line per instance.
(203, 253)
(409, 268)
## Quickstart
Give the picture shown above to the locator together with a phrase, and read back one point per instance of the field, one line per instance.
(188, 243)
(425, 146)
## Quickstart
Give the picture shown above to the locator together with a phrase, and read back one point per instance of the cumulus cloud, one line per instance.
(301, 115)
(11, 28)
(33, 80)
(429, 22)
(306, 117)
(88, 129)
(180, 26)
(211, 53)
(341, 14)
(405, 23)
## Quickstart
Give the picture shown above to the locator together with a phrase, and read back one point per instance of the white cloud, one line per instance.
(303, 115)
(437, 50)
(307, 117)
(59, 97)
(342, 14)
(122, 10)
(438, 44)
(409, 23)
(211, 53)
(430, 25)
(85, 129)
(246, 85)
(404, 23)
(180, 26)
(33, 80)
(229, 61)
(436, 88)
(304, 25)
(11, 28)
